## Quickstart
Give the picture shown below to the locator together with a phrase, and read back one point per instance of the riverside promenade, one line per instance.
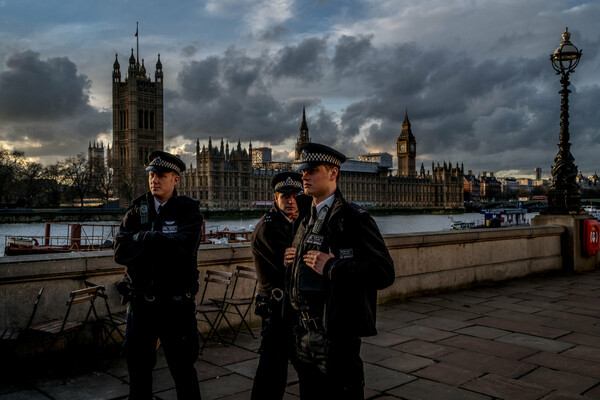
(530, 338)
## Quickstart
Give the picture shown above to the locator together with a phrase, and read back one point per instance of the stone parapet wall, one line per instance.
(424, 263)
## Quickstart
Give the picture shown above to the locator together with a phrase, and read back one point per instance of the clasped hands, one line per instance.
(313, 258)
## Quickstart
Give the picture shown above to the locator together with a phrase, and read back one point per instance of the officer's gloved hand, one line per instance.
(140, 236)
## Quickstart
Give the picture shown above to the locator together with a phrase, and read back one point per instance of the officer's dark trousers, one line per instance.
(275, 347)
(328, 367)
(174, 323)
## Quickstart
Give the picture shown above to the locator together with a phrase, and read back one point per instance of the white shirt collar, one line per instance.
(158, 204)
(327, 202)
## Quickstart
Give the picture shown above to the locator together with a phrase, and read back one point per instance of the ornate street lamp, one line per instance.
(564, 196)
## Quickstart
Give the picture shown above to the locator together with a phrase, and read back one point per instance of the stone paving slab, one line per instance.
(449, 346)
(479, 362)
(447, 373)
(457, 315)
(382, 379)
(445, 324)
(423, 333)
(386, 339)
(490, 347)
(90, 386)
(506, 388)
(565, 363)
(482, 332)
(536, 342)
(581, 338)
(424, 349)
(523, 327)
(405, 362)
(584, 352)
(560, 381)
(428, 390)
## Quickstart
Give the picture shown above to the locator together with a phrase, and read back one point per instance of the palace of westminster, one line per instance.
(240, 177)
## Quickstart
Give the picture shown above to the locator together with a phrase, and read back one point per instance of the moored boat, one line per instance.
(74, 237)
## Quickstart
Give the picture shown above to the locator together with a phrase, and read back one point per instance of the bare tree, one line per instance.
(30, 177)
(76, 174)
(11, 165)
(50, 186)
(105, 184)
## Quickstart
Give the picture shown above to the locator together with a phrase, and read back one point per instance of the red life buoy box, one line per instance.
(591, 237)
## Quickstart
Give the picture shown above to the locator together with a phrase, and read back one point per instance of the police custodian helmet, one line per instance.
(161, 161)
(315, 154)
(287, 182)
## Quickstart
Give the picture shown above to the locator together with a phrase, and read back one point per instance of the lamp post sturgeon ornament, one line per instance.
(564, 196)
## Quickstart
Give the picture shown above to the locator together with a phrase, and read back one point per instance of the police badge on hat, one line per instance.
(315, 154)
(287, 182)
(161, 161)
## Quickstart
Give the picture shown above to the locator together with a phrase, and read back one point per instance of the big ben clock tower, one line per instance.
(406, 150)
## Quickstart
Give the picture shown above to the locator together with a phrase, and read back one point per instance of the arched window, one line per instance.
(151, 119)
(140, 119)
(145, 119)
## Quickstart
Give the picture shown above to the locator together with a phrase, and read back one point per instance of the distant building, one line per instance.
(230, 179)
(137, 125)
(383, 159)
(472, 188)
(406, 150)
(261, 155)
(538, 174)
(96, 163)
(510, 186)
(491, 188)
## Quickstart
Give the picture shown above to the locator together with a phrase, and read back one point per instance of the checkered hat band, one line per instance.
(289, 182)
(158, 162)
(320, 157)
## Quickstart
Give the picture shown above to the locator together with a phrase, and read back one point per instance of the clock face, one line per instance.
(412, 147)
(402, 147)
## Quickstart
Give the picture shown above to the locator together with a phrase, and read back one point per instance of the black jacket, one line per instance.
(361, 266)
(272, 235)
(161, 259)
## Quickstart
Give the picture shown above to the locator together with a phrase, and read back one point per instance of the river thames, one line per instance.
(390, 224)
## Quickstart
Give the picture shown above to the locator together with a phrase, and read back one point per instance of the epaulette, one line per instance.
(357, 209)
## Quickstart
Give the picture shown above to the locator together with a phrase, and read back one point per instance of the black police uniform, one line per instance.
(272, 235)
(160, 252)
(337, 308)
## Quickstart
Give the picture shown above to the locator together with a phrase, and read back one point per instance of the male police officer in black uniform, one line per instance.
(273, 234)
(337, 263)
(158, 242)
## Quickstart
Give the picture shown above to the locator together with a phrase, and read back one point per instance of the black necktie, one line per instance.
(159, 209)
(313, 215)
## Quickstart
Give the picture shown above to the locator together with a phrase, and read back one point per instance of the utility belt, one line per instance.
(311, 321)
(264, 305)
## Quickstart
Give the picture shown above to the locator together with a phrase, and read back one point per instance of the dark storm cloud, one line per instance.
(34, 89)
(189, 50)
(199, 80)
(44, 106)
(274, 33)
(230, 96)
(350, 50)
(304, 61)
(484, 112)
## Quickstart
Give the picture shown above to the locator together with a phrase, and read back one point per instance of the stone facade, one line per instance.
(229, 179)
(137, 125)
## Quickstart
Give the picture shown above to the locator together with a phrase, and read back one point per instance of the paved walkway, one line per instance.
(536, 338)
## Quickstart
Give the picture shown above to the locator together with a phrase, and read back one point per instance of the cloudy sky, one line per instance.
(474, 75)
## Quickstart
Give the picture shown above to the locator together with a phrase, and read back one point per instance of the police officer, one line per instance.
(158, 242)
(273, 234)
(337, 263)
